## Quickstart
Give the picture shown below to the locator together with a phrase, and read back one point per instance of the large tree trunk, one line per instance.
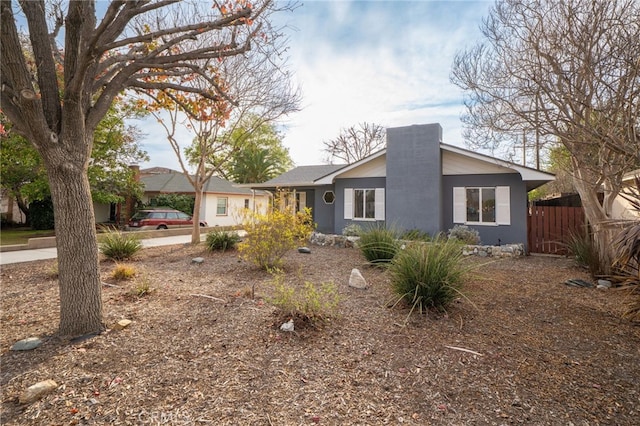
(597, 218)
(78, 262)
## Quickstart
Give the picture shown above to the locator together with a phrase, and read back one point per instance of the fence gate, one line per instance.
(549, 227)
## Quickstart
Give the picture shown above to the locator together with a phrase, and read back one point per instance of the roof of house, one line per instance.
(178, 183)
(326, 174)
(301, 175)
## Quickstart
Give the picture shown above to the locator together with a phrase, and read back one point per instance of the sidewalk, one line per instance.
(51, 253)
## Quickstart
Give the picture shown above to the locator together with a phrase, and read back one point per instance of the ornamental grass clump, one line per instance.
(378, 244)
(428, 275)
(221, 240)
(271, 235)
(582, 246)
(311, 303)
(117, 245)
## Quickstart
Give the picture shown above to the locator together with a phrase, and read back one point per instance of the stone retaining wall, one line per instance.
(508, 250)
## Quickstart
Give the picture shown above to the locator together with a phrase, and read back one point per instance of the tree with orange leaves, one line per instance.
(256, 85)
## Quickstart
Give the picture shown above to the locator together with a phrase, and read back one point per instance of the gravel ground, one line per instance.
(520, 347)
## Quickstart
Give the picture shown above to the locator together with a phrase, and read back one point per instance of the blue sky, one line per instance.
(383, 62)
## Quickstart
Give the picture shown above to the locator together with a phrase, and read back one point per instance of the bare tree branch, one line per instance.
(355, 143)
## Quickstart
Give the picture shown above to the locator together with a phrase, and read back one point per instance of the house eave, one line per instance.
(536, 177)
(330, 178)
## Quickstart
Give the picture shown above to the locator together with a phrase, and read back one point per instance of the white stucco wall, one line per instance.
(235, 203)
(622, 209)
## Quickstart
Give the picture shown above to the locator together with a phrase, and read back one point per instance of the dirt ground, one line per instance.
(520, 348)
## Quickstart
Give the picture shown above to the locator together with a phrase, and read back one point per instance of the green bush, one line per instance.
(312, 303)
(270, 236)
(415, 235)
(184, 203)
(41, 214)
(221, 240)
(428, 275)
(119, 246)
(465, 234)
(379, 244)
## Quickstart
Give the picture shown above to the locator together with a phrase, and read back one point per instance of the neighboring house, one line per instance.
(418, 182)
(9, 209)
(622, 208)
(221, 200)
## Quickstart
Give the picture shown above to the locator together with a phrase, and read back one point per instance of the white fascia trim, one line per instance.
(328, 179)
(526, 172)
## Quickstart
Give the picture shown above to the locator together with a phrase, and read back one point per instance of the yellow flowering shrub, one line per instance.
(271, 235)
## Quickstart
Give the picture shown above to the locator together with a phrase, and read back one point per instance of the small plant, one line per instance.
(123, 272)
(352, 230)
(53, 271)
(312, 303)
(415, 235)
(378, 244)
(119, 246)
(428, 275)
(465, 234)
(270, 236)
(582, 246)
(143, 288)
(221, 240)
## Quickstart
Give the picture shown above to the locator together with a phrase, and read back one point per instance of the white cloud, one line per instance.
(376, 61)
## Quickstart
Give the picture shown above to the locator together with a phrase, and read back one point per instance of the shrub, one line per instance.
(415, 235)
(41, 214)
(271, 235)
(312, 303)
(53, 271)
(119, 246)
(352, 230)
(379, 244)
(123, 272)
(584, 250)
(428, 275)
(143, 288)
(184, 203)
(221, 240)
(464, 234)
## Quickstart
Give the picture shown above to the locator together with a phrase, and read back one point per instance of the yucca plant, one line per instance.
(117, 245)
(428, 275)
(582, 246)
(221, 240)
(379, 244)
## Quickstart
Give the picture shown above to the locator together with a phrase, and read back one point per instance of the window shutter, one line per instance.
(379, 215)
(503, 205)
(459, 204)
(348, 203)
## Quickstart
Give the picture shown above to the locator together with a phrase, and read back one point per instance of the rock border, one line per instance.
(342, 241)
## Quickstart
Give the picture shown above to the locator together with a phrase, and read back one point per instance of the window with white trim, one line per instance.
(364, 204)
(482, 205)
(221, 207)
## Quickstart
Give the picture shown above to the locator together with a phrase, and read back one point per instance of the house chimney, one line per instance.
(414, 177)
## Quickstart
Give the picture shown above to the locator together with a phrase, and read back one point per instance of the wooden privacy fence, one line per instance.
(549, 228)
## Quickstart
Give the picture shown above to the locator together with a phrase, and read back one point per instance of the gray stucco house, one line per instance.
(418, 182)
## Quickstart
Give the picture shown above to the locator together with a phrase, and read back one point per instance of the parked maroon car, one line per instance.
(160, 219)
